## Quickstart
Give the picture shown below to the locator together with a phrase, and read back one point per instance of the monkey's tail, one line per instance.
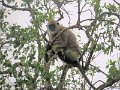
(85, 77)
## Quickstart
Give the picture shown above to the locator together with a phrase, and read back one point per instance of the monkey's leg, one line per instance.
(69, 59)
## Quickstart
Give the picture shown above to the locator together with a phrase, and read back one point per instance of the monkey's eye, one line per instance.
(52, 27)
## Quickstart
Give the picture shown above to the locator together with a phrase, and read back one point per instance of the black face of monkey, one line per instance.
(52, 27)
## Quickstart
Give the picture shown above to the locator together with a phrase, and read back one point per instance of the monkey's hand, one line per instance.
(49, 46)
(48, 51)
(49, 54)
(58, 45)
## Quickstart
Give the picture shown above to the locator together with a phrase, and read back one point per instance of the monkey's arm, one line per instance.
(61, 42)
(49, 52)
(52, 49)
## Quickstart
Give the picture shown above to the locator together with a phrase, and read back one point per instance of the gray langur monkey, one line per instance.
(65, 46)
(65, 41)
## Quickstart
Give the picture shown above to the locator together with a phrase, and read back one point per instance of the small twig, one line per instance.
(66, 13)
(89, 58)
(99, 81)
(13, 7)
(118, 25)
(105, 13)
(116, 2)
(61, 14)
(2, 44)
(30, 10)
(83, 7)
(98, 69)
(78, 21)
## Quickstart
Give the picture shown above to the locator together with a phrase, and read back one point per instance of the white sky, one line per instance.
(22, 18)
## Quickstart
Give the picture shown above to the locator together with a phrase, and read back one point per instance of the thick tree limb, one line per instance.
(62, 79)
(109, 83)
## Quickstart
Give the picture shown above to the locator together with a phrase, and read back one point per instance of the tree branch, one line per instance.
(62, 79)
(61, 14)
(5, 72)
(78, 21)
(90, 56)
(13, 7)
(116, 2)
(109, 83)
(99, 70)
(3, 43)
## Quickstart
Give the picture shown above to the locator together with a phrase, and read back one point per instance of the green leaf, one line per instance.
(106, 50)
(7, 63)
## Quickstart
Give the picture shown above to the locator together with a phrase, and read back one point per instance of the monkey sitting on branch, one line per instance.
(63, 43)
